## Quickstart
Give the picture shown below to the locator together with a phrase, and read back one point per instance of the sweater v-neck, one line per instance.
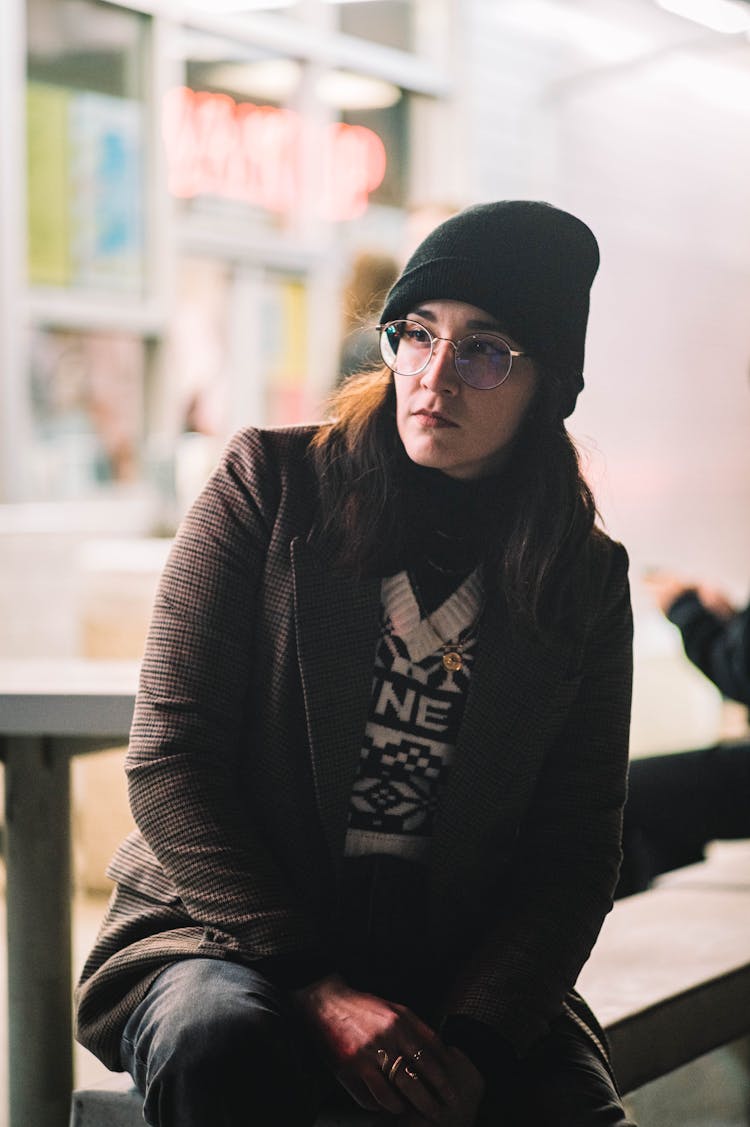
(424, 635)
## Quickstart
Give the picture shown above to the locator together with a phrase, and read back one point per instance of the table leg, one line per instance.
(40, 1041)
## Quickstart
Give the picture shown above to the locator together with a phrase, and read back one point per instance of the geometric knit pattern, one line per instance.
(415, 714)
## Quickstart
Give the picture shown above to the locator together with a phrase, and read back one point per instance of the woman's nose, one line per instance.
(440, 373)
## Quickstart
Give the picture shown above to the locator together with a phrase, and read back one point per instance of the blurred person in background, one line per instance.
(379, 752)
(681, 801)
(372, 275)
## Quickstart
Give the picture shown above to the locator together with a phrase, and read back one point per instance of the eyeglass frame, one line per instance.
(513, 352)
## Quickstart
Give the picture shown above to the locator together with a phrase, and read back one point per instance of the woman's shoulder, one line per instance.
(269, 456)
(273, 444)
(605, 574)
(606, 554)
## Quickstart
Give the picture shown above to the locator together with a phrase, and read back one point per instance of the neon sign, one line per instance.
(240, 151)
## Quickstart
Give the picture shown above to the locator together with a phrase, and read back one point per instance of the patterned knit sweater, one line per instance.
(415, 714)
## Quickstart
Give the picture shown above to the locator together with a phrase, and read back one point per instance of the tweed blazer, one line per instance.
(254, 694)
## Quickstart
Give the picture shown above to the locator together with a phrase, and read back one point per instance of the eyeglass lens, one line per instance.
(482, 360)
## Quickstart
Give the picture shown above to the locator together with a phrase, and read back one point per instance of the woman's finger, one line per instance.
(413, 1087)
(427, 1057)
(372, 1092)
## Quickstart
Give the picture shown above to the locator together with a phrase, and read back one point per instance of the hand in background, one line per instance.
(666, 587)
(716, 601)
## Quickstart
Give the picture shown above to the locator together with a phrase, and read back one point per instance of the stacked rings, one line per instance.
(395, 1067)
(416, 1057)
(391, 1070)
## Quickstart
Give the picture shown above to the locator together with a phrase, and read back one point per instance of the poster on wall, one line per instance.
(105, 179)
(48, 197)
(283, 349)
(85, 189)
(87, 404)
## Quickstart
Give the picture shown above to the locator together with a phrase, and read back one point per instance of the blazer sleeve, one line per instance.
(565, 864)
(190, 718)
(721, 650)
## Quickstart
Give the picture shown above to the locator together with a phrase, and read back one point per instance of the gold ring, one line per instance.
(411, 1074)
(383, 1059)
(395, 1067)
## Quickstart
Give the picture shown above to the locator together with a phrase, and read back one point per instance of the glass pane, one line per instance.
(240, 71)
(232, 145)
(390, 22)
(85, 140)
(390, 124)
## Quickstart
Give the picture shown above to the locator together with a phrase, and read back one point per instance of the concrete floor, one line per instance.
(711, 1092)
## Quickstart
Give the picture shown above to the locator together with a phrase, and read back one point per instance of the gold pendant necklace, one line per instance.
(452, 657)
(453, 652)
(453, 661)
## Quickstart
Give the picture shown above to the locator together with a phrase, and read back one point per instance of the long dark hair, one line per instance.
(545, 509)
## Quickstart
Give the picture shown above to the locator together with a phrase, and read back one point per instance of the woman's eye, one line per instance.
(417, 336)
(490, 350)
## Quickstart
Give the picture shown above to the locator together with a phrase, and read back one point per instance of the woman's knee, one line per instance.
(212, 1040)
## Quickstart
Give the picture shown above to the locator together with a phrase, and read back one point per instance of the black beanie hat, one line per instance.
(527, 263)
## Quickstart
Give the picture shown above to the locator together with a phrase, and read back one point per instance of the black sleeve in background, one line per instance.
(721, 650)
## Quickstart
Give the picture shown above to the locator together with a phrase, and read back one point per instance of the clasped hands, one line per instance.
(389, 1060)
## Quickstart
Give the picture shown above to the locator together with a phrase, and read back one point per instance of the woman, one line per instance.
(379, 751)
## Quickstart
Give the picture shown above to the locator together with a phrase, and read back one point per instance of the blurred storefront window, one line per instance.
(243, 127)
(85, 145)
(199, 177)
(87, 401)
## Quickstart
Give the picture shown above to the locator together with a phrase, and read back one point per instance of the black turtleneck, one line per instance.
(447, 526)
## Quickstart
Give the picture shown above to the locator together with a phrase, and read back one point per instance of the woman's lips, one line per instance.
(431, 419)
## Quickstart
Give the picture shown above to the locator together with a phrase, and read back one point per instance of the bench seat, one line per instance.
(669, 979)
(119, 1105)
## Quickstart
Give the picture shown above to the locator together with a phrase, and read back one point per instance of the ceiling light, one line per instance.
(346, 91)
(227, 7)
(273, 79)
(606, 39)
(728, 16)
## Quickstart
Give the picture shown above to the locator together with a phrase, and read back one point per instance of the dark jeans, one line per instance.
(677, 804)
(214, 1044)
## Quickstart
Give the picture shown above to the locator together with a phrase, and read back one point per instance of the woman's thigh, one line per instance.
(563, 1082)
(215, 1044)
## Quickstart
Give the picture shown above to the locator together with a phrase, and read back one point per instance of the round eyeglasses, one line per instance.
(482, 360)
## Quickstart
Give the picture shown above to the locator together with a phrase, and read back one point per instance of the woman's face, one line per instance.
(443, 423)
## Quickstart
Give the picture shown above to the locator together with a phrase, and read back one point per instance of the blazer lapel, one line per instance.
(337, 623)
(482, 800)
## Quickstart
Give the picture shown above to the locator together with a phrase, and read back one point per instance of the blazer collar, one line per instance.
(337, 622)
(487, 786)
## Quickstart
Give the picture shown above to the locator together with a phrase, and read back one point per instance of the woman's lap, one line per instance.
(213, 1040)
(214, 1044)
(562, 1082)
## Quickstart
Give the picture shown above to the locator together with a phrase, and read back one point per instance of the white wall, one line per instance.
(639, 122)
